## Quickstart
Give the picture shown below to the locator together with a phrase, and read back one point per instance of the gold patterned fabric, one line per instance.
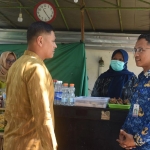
(29, 106)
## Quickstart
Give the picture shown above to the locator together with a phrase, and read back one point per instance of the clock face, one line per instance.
(45, 11)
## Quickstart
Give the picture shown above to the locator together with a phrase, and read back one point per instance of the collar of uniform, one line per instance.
(31, 53)
(147, 73)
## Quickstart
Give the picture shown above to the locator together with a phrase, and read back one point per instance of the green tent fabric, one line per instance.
(67, 65)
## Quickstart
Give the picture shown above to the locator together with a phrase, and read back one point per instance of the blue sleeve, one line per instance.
(128, 88)
(143, 136)
(124, 126)
(95, 91)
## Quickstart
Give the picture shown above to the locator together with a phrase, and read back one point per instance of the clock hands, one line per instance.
(45, 13)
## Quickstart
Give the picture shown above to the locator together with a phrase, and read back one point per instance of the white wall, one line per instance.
(93, 57)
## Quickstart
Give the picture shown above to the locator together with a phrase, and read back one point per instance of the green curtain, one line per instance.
(67, 65)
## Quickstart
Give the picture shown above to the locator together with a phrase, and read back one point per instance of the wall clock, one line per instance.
(45, 11)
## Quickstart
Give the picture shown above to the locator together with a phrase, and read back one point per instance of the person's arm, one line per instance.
(101, 87)
(95, 91)
(128, 88)
(38, 91)
(142, 136)
(133, 83)
(96, 88)
(126, 140)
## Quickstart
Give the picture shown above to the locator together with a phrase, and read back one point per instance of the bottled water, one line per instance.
(71, 95)
(64, 98)
(54, 81)
(59, 96)
(58, 93)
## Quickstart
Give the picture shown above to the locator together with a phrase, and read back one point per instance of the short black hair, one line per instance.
(145, 36)
(36, 28)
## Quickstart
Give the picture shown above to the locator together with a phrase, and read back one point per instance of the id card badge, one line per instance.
(135, 110)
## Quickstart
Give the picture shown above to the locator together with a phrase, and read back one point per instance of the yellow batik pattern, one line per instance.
(29, 106)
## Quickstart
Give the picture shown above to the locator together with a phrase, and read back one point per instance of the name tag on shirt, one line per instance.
(135, 110)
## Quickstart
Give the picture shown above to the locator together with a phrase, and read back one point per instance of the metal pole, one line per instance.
(90, 8)
(27, 11)
(119, 13)
(82, 20)
(108, 2)
(63, 17)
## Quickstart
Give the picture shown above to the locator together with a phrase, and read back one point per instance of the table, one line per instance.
(83, 128)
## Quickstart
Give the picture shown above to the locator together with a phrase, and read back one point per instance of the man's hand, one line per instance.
(121, 138)
(126, 140)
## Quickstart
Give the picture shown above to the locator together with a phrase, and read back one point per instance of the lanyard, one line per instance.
(136, 106)
(137, 100)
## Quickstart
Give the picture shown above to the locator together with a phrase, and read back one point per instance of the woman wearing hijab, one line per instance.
(117, 81)
(6, 60)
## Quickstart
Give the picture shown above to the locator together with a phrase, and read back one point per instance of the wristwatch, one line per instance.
(136, 144)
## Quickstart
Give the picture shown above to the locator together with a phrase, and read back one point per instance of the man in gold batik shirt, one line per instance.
(30, 93)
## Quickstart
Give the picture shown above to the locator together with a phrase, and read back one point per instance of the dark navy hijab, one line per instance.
(119, 78)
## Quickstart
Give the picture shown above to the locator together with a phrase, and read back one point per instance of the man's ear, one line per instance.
(39, 41)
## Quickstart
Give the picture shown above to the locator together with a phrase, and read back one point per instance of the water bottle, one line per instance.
(54, 82)
(64, 98)
(71, 95)
(56, 92)
(59, 95)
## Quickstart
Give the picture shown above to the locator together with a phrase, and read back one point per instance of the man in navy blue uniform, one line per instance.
(135, 133)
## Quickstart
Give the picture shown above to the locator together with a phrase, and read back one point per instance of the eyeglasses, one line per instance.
(139, 50)
(8, 61)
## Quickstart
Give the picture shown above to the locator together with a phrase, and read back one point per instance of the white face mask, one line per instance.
(117, 65)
